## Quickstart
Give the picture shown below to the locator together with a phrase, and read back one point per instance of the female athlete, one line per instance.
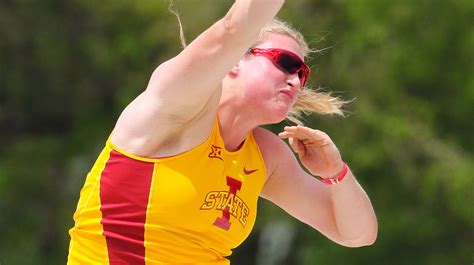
(179, 178)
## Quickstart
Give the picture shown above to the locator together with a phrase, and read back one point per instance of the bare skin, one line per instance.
(178, 109)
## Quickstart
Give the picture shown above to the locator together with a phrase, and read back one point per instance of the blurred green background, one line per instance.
(68, 68)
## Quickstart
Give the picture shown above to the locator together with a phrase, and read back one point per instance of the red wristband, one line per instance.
(336, 179)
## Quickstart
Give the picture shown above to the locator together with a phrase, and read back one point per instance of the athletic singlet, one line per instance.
(192, 208)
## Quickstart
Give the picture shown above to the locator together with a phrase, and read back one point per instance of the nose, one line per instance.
(293, 80)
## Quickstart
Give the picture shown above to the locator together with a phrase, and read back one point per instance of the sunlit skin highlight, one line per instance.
(268, 91)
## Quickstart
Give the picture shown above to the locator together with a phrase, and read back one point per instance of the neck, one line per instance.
(234, 125)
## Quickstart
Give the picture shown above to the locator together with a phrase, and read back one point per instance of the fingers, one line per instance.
(297, 146)
(320, 153)
(305, 134)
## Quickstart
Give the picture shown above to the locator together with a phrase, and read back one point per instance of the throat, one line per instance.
(234, 147)
(234, 129)
(233, 139)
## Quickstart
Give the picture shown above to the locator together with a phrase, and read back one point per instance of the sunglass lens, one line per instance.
(289, 63)
(293, 65)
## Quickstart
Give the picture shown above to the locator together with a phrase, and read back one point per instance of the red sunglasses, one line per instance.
(285, 60)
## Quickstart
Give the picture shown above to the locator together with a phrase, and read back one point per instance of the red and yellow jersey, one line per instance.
(192, 208)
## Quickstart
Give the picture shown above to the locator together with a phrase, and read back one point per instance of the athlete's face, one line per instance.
(268, 87)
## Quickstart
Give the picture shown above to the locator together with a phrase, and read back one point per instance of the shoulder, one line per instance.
(266, 139)
(275, 151)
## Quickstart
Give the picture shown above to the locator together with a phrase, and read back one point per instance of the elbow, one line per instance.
(244, 20)
(367, 238)
(236, 32)
(364, 240)
(373, 236)
(232, 27)
(361, 242)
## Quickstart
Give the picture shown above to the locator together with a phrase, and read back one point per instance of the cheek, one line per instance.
(258, 89)
(261, 81)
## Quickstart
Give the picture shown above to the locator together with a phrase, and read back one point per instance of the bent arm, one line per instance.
(342, 212)
(354, 215)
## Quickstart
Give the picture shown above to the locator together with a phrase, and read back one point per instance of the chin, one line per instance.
(277, 117)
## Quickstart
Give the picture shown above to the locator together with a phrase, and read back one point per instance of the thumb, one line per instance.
(297, 146)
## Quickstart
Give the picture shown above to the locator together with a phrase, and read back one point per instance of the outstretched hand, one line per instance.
(315, 149)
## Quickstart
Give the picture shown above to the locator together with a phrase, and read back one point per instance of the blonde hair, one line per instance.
(173, 9)
(310, 100)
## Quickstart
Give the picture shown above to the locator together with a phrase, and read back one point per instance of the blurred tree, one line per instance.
(67, 69)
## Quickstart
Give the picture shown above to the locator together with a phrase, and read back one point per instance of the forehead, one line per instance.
(273, 40)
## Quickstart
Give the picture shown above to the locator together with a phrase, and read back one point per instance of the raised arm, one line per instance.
(188, 80)
(180, 101)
